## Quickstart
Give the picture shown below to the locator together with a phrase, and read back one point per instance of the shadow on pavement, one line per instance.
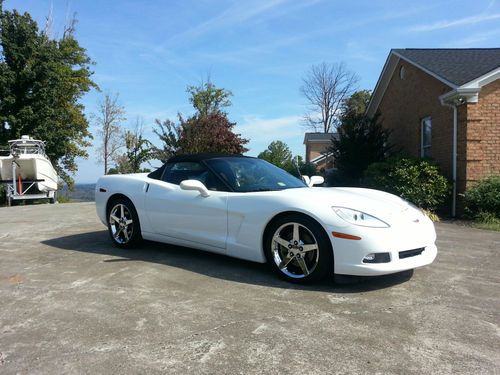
(213, 265)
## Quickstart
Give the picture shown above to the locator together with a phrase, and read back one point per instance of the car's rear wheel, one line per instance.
(123, 223)
(298, 249)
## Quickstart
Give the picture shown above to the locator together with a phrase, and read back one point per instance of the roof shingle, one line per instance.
(457, 66)
(319, 137)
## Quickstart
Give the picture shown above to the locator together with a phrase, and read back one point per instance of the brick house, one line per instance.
(444, 104)
(317, 145)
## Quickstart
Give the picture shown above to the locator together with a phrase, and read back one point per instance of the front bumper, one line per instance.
(349, 254)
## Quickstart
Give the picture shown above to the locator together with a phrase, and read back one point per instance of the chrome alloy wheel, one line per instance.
(121, 223)
(295, 250)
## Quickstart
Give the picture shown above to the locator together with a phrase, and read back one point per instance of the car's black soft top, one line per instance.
(191, 158)
(201, 157)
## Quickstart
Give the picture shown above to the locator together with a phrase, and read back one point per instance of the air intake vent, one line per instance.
(410, 253)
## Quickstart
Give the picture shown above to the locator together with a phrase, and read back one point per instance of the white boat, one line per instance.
(31, 165)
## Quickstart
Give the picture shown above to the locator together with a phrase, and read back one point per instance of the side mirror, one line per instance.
(307, 180)
(195, 185)
(316, 180)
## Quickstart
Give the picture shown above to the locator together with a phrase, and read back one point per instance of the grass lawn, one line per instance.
(487, 225)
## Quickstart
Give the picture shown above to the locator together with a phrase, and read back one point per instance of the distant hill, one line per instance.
(81, 193)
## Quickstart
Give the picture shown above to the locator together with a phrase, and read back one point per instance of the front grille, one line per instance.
(410, 253)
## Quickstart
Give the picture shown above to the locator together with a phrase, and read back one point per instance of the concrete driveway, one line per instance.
(70, 302)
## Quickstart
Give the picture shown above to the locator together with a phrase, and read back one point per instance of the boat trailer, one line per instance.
(22, 189)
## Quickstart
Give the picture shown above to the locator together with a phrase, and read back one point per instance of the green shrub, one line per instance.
(2, 194)
(483, 200)
(338, 178)
(416, 180)
(487, 218)
(306, 169)
(63, 198)
(431, 215)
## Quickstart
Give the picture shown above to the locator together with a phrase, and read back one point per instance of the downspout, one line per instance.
(454, 162)
(454, 158)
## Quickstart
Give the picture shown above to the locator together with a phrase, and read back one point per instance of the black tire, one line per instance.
(123, 223)
(289, 259)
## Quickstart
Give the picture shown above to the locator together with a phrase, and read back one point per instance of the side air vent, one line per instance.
(410, 253)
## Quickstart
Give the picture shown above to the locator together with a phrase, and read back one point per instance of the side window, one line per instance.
(426, 137)
(175, 173)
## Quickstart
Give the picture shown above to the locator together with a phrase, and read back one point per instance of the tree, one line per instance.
(361, 141)
(169, 133)
(325, 87)
(41, 83)
(209, 130)
(277, 153)
(305, 169)
(108, 119)
(212, 133)
(356, 104)
(208, 99)
(138, 150)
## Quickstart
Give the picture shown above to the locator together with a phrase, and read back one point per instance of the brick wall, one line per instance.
(483, 134)
(313, 150)
(406, 102)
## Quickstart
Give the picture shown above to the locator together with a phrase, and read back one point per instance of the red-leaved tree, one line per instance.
(208, 130)
(212, 133)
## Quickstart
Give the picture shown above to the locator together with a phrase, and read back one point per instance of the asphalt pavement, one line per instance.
(71, 302)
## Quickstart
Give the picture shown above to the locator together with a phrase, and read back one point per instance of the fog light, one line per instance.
(377, 258)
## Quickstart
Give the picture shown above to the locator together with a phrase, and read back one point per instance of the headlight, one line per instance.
(359, 218)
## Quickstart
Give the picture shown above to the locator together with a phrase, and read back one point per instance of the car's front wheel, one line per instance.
(298, 249)
(123, 223)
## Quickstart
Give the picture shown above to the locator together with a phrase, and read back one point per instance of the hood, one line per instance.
(385, 206)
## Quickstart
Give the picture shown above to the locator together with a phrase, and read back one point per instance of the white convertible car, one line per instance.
(247, 208)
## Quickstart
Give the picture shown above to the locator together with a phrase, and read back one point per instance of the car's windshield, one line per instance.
(248, 174)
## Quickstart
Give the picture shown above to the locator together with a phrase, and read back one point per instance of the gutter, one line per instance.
(460, 95)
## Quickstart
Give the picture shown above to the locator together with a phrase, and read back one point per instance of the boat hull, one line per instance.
(30, 167)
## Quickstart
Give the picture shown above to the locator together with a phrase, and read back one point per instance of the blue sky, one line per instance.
(149, 51)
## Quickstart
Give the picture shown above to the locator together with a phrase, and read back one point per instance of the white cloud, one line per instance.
(271, 129)
(456, 23)
(240, 12)
(475, 40)
(262, 132)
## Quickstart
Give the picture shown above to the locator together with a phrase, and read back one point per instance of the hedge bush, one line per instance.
(2, 194)
(483, 199)
(416, 180)
(337, 178)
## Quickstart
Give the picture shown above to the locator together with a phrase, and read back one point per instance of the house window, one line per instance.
(401, 72)
(426, 137)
